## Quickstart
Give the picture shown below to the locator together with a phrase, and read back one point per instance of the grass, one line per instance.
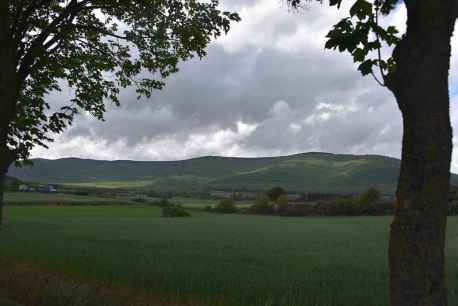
(202, 203)
(232, 260)
(36, 198)
(50, 198)
(134, 184)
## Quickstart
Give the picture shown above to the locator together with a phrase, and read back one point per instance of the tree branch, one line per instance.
(379, 52)
(37, 47)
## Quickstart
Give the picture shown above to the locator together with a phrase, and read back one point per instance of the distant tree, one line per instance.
(174, 212)
(275, 193)
(226, 206)
(417, 74)
(262, 205)
(282, 200)
(95, 47)
(369, 197)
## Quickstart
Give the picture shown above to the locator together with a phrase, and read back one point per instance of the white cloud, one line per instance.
(267, 88)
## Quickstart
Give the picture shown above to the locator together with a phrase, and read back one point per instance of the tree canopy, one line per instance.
(417, 73)
(275, 193)
(94, 47)
(362, 35)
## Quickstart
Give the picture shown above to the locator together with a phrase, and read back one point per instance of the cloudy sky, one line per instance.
(267, 88)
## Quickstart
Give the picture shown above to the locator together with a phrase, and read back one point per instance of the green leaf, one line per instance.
(362, 9)
(359, 55)
(335, 2)
(366, 67)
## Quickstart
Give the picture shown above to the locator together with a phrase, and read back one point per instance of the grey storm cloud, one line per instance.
(268, 88)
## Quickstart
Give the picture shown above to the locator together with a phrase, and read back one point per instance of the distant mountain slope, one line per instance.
(312, 172)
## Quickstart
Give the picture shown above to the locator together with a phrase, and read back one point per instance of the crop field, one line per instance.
(200, 203)
(134, 184)
(28, 198)
(230, 260)
(38, 198)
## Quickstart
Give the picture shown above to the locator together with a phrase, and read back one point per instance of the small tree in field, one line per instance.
(226, 206)
(95, 47)
(275, 193)
(417, 74)
(369, 197)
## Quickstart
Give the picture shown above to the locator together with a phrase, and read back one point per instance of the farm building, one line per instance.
(25, 188)
(48, 188)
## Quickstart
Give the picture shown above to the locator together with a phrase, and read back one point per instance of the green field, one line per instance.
(57, 198)
(233, 260)
(112, 184)
(36, 198)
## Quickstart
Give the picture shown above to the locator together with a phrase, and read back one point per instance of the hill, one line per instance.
(306, 172)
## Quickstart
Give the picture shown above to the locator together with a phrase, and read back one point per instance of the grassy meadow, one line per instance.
(36, 198)
(230, 260)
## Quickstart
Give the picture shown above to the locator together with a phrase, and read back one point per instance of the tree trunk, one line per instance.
(2, 186)
(8, 94)
(420, 85)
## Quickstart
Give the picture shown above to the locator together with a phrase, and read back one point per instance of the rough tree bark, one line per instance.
(420, 85)
(8, 94)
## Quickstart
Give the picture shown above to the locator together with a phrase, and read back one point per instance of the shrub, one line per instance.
(282, 200)
(369, 197)
(175, 211)
(226, 206)
(347, 206)
(261, 205)
(139, 200)
(275, 193)
(164, 202)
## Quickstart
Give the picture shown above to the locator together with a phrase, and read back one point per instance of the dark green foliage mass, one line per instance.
(226, 206)
(362, 35)
(175, 212)
(275, 193)
(96, 47)
(369, 197)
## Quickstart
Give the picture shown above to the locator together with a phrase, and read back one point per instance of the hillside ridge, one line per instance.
(302, 172)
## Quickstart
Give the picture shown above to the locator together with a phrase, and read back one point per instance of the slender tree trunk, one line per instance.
(420, 85)
(2, 186)
(8, 94)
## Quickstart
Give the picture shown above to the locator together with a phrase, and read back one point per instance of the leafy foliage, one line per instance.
(369, 197)
(174, 212)
(261, 205)
(362, 36)
(226, 206)
(97, 47)
(275, 193)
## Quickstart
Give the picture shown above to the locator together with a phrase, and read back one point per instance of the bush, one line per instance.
(164, 202)
(261, 205)
(175, 211)
(139, 200)
(275, 193)
(369, 197)
(226, 206)
(347, 207)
